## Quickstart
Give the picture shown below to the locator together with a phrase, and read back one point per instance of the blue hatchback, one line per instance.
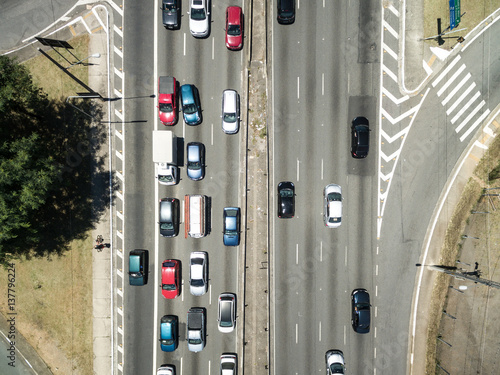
(169, 333)
(231, 218)
(191, 108)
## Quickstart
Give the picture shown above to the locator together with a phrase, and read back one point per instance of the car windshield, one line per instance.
(198, 14)
(190, 108)
(334, 220)
(135, 274)
(166, 226)
(197, 282)
(231, 232)
(233, 30)
(334, 197)
(230, 117)
(194, 165)
(168, 286)
(227, 366)
(336, 368)
(286, 193)
(194, 341)
(170, 8)
(165, 178)
(166, 107)
(167, 342)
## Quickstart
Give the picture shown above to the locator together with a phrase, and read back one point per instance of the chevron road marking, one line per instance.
(390, 157)
(386, 177)
(389, 73)
(390, 29)
(393, 54)
(462, 97)
(396, 136)
(393, 10)
(400, 117)
(393, 98)
(455, 90)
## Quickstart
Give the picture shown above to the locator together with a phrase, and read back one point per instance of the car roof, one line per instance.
(229, 100)
(234, 13)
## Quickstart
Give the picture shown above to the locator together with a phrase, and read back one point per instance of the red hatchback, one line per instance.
(167, 100)
(234, 28)
(170, 278)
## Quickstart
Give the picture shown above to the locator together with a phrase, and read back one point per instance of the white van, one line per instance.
(195, 209)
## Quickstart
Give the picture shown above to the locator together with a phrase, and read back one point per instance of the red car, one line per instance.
(167, 100)
(171, 278)
(234, 28)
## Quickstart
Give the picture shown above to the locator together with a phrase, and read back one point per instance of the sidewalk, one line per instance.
(419, 64)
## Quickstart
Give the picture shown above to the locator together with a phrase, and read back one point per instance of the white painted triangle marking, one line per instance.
(400, 117)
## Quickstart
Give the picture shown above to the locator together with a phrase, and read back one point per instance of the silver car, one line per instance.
(198, 273)
(227, 312)
(333, 206)
(230, 112)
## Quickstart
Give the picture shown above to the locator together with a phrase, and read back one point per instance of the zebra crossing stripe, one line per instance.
(465, 107)
(462, 97)
(475, 125)
(457, 87)
(470, 116)
(450, 81)
(445, 72)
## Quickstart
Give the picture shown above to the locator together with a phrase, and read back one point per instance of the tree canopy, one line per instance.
(53, 182)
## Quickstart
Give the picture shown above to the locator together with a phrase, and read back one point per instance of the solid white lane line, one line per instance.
(298, 177)
(462, 97)
(320, 331)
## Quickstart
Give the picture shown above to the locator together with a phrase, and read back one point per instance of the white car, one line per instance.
(228, 364)
(166, 370)
(227, 312)
(230, 112)
(199, 20)
(198, 273)
(334, 362)
(333, 206)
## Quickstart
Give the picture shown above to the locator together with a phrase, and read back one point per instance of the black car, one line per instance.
(360, 320)
(169, 217)
(171, 14)
(286, 200)
(360, 137)
(195, 160)
(286, 11)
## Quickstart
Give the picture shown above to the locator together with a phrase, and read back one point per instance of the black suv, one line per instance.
(286, 11)
(360, 138)
(169, 217)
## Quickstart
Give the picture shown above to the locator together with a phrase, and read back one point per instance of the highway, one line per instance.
(208, 65)
(325, 72)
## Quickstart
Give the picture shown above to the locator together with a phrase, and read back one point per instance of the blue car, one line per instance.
(191, 108)
(169, 333)
(231, 218)
(138, 262)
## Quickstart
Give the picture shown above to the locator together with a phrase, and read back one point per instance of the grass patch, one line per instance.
(449, 255)
(54, 294)
(476, 11)
(55, 82)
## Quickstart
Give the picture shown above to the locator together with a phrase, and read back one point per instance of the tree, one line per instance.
(48, 168)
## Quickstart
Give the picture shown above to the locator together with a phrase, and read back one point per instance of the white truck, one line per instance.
(196, 328)
(165, 157)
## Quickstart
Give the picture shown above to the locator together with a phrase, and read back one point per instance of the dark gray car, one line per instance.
(171, 14)
(169, 217)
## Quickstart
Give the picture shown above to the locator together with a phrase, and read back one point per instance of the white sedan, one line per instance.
(199, 20)
(333, 205)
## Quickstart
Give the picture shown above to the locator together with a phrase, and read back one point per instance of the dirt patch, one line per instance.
(463, 336)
